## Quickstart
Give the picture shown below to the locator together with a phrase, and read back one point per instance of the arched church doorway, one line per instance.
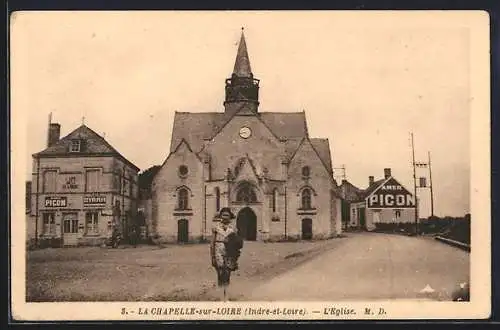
(246, 223)
(182, 231)
(307, 229)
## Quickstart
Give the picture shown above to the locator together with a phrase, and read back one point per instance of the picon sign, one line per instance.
(390, 195)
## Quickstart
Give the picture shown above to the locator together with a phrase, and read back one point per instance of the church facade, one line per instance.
(277, 180)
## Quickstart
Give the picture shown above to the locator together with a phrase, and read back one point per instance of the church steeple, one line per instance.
(242, 64)
(242, 90)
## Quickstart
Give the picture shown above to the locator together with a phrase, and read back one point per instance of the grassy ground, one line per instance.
(151, 273)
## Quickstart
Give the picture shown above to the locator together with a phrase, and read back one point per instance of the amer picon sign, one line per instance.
(390, 194)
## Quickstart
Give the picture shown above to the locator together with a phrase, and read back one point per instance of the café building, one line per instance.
(81, 189)
(384, 201)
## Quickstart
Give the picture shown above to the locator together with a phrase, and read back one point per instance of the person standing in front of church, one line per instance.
(225, 249)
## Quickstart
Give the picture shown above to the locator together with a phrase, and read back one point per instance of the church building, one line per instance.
(277, 180)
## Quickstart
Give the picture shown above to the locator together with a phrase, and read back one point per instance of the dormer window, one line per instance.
(75, 146)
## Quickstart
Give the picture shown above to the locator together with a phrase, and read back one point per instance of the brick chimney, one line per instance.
(54, 134)
(387, 172)
(371, 180)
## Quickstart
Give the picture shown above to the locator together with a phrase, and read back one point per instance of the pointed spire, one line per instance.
(242, 64)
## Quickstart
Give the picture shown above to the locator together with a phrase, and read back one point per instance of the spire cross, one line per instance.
(83, 120)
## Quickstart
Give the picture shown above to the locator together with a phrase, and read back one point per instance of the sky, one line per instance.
(365, 79)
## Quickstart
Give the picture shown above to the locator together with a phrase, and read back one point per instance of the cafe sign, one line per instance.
(390, 195)
(56, 202)
(94, 200)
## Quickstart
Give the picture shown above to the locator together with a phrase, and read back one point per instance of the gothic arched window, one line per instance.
(306, 199)
(217, 199)
(246, 194)
(182, 199)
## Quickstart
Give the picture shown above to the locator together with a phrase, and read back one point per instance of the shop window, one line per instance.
(49, 224)
(397, 214)
(92, 180)
(183, 199)
(306, 199)
(70, 224)
(49, 181)
(91, 223)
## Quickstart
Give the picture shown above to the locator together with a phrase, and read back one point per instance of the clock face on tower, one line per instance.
(245, 132)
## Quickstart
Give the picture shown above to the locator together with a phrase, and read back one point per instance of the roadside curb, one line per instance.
(458, 244)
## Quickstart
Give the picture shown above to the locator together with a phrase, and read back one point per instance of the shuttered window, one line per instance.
(92, 180)
(49, 181)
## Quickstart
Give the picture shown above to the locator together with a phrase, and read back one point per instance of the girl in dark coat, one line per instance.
(225, 248)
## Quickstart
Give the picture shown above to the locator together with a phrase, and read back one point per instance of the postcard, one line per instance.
(250, 165)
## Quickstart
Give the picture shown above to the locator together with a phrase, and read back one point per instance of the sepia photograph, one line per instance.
(250, 165)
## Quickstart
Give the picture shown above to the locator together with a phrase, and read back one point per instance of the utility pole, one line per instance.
(342, 168)
(431, 185)
(423, 183)
(344, 203)
(414, 184)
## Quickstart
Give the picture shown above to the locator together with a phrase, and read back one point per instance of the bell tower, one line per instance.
(242, 90)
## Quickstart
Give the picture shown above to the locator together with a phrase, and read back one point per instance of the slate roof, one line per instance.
(93, 144)
(195, 127)
(351, 192)
(322, 146)
(372, 188)
(285, 124)
(355, 194)
(291, 146)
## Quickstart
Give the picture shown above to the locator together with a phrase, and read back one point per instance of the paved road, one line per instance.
(372, 266)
